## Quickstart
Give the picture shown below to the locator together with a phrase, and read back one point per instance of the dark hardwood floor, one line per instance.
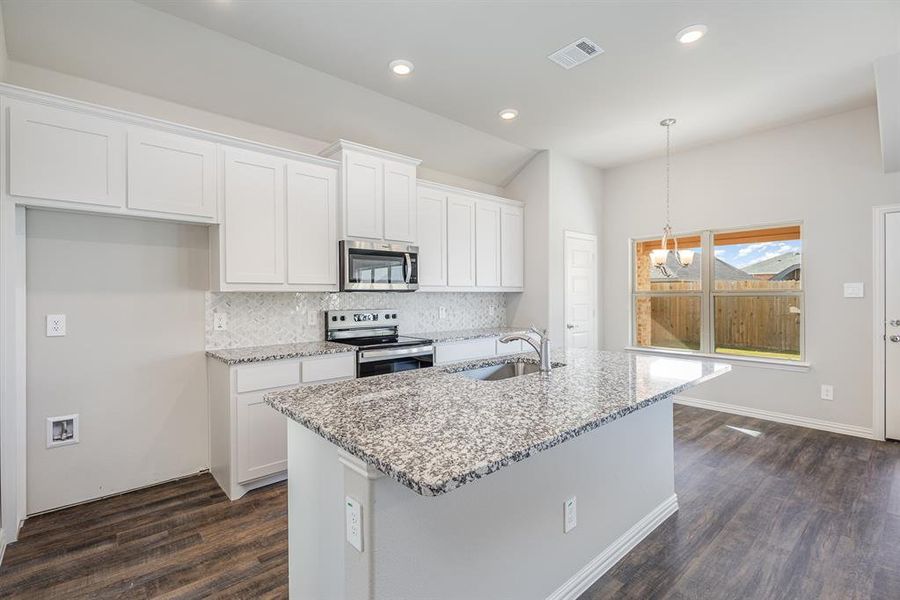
(790, 513)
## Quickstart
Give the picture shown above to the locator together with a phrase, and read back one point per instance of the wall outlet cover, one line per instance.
(220, 321)
(854, 290)
(56, 325)
(570, 511)
(827, 392)
(442, 311)
(353, 513)
(312, 318)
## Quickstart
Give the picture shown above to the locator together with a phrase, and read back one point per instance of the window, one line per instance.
(741, 295)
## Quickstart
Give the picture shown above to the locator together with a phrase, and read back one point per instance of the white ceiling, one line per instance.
(761, 65)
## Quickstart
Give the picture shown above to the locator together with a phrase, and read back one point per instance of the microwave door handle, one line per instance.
(408, 268)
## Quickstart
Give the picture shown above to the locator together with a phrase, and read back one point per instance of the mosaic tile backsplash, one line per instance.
(261, 318)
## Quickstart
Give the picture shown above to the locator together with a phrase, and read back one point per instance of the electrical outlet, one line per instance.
(491, 310)
(827, 392)
(62, 431)
(353, 513)
(854, 290)
(56, 325)
(220, 321)
(570, 510)
(442, 311)
(312, 318)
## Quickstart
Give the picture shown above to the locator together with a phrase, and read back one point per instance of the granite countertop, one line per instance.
(434, 430)
(234, 356)
(459, 335)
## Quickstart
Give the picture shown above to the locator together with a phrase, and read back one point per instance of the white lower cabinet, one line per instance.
(248, 438)
(489, 347)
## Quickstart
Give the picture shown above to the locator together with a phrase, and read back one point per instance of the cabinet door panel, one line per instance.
(399, 202)
(311, 224)
(261, 438)
(254, 217)
(364, 196)
(512, 249)
(487, 244)
(432, 230)
(460, 242)
(171, 173)
(58, 154)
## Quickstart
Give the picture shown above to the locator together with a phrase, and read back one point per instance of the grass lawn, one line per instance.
(759, 353)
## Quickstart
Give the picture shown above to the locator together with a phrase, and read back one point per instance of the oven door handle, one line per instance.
(366, 356)
(408, 268)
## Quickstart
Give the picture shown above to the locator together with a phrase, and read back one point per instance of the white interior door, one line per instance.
(581, 290)
(892, 325)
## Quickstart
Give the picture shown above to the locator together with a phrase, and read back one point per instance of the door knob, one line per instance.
(895, 339)
(569, 326)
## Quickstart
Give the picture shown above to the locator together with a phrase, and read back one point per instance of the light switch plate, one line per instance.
(56, 325)
(353, 511)
(312, 318)
(854, 290)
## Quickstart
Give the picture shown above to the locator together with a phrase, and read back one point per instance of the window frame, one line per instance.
(708, 295)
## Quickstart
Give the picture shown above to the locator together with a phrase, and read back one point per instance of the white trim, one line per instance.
(358, 466)
(878, 331)
(450, 189)
(587, 237)
(2, 545)
(613, 553)
(342, 145)
(743, 361)
(766, 415)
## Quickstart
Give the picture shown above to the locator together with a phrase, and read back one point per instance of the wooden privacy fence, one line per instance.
(766, 323)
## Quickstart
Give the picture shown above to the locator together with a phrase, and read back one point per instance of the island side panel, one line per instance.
(315, 516)
(502, 536)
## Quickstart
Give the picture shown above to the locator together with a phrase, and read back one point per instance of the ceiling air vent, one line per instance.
(576, 53)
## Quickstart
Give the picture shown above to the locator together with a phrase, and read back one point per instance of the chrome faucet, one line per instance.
(542, 347)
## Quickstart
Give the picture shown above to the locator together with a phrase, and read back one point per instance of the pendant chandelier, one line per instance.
(660, 258)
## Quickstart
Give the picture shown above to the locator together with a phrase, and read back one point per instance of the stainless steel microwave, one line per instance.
(379, 267)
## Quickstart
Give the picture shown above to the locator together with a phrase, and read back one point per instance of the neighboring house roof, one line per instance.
(724, 271)
(783, 263)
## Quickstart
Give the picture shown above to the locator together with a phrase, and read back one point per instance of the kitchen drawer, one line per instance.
(328, 367)
(268, 375)
(513, 347)
(467, 350)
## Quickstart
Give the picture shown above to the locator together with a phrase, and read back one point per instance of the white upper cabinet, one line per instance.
(460, 241)
(364, 195)
(311, 224)
(512, 247)
(171, 173)
(378, 193)
(399, 202)
(253, 199)
(432, 227)
(65, 155)
(487, 244)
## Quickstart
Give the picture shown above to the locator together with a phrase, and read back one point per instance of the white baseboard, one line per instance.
(766, 415)
(613, 553)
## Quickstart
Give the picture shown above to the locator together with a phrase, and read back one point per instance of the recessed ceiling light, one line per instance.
(691, 34)
(508, 114)
(402, 67)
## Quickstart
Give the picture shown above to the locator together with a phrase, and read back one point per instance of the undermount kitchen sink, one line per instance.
(502, 371)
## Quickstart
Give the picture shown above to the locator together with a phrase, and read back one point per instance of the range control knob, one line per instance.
(387, 316)
(334, 318)
(343, 318)
(394, 316)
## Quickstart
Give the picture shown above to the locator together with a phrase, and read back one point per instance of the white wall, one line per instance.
(132, 363)
(4, 59)
(826, 173)
(576, 192)
(532, 186)
(106, 95)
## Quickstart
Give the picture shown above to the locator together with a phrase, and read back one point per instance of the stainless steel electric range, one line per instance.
(380, 347)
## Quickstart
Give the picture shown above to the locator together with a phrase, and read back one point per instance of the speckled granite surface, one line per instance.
(234, 356)
(459, 335)
(434, 430)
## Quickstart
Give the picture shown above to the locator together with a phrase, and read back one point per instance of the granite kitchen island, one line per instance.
(459, 484)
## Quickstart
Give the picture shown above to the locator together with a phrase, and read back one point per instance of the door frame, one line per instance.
(879, 391)
(569, 234)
